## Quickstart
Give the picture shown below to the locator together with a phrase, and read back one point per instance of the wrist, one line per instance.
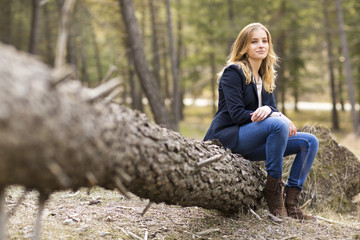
(271, 112)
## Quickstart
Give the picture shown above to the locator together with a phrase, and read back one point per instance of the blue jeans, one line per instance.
(269, 140)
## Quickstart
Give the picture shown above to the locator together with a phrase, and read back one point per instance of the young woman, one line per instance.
(248, 122)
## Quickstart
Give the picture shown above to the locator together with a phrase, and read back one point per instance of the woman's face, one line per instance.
(259, 45)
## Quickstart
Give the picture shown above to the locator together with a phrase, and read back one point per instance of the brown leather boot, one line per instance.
(292, 204)
(274, 196)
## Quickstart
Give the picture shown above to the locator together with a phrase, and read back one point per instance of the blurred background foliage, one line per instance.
(204, 31)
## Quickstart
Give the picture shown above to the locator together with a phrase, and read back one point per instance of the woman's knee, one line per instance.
(278, 124)
(313, 141)
(310, 141)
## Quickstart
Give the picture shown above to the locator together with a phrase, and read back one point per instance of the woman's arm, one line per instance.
(231, 84)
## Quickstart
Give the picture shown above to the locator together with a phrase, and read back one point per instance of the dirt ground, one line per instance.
(104, 214)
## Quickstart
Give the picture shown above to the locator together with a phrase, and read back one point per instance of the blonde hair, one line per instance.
(238, 56)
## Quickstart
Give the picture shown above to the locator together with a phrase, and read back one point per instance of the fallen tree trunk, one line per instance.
(57, 135)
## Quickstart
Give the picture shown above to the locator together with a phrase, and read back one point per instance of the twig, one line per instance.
(2, 214)
(109, 73)
(208, 231)
(123, 175)
(134, 235)
(103, 89)
(255, 214)
(91, 178)
(146, 234)
(332, 221)
(146, 208)
(291, 237)
(111, 96)
(274, 218)
(59, 173)
(209, 160)
(42, 199)
(61, 74)
(306, 204)
(121, 187)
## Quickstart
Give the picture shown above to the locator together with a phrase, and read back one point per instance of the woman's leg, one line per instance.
(305, 146)
(265, 140)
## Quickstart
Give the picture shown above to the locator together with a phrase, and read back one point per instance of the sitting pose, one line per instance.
(248, 122)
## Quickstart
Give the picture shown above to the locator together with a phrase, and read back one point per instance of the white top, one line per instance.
(259, 88)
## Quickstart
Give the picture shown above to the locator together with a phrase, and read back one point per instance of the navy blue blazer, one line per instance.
(236, 101)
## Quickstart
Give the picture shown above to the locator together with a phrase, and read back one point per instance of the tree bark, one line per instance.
(35, 27)
(174, 68)
(213, 82)
(349, 78)
(63, 33)
(155, 44)
(340, 82)
(48, 36)
(6, 21)
(148, 83)
(280, 50)
(135, 88)
(334, 118)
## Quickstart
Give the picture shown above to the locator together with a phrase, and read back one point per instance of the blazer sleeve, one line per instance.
(232, 85)
(271, 103)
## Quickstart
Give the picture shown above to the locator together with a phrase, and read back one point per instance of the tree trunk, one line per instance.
(48, 36)
(68, 139)
(6, 21)
(349, 78)
(340, 82)
(35, 27)
(179, 57)
(96, 55)
(135, 88)
(174, 69)
(63, 33)
(84, 76)
(148, 83)
(155, 44)
(334, 118)
(213, 82)
(231, 39)
(280, 50)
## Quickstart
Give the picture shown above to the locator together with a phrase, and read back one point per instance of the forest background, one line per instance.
(187, 43)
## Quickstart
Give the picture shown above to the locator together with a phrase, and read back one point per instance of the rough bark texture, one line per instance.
(56, 136)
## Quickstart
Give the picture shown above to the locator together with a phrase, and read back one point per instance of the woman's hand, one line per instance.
(292, 128)
(260, 114)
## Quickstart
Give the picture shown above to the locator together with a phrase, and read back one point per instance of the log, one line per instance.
(55, 135)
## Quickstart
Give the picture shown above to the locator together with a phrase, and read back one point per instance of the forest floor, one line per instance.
(104, 214)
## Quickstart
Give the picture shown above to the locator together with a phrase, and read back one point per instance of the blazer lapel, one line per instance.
(255, 91)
